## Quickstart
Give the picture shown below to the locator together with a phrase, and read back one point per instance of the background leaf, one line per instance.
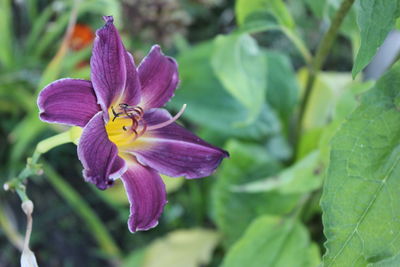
(360, 210)
(302, 177)
(248, 163)
(182, 248)
(210, 105)
(241, 67)
(277, 8)
(6, 37)
(390, 262)
(375, 19)
(271, 241)
(284, 89)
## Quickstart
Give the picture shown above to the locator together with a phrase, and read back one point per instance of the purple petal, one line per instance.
(99, 156)
(113, 72)
(174, 151)
(132, 93)
(146, 194)
(68, 101)
(159, 78)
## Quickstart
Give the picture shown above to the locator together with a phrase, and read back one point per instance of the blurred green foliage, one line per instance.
(243, 67)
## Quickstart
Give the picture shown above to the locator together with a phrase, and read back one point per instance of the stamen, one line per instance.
(139, 110)
(168, 122)
(116, 115)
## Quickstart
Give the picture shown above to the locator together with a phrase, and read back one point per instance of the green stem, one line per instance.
(32, 167)
(99, 231)
(52, 142)
(318, 61)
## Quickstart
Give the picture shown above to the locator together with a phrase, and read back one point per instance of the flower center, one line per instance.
(126, 123)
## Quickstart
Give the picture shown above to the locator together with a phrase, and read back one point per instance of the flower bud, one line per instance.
(28, 259)
(27, 207)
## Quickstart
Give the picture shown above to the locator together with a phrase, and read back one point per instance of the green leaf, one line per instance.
(259, 22)
(303, 177)
(375, 19)
(244, 8)
(134, 259)
(248, 163)
(6, 36)
(271, 241)
(263, 20)
(283, 89)
(21, 140)
(52, 35)
(241, 67)
(318, 7)
(328, 87)
(314, 256)
(309, 141)
(182, 248)
(390, 262)
(360, 211)
(347, 103)
(326, 9)
(350, 99)
(210, 105)
(37, 29)
(319, 138)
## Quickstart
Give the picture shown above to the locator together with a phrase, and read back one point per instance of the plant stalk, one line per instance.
(319, 59)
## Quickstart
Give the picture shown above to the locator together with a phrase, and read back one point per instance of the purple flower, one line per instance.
(125, 132)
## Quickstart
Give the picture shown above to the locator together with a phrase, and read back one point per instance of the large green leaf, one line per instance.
(241, 67)
(210, 105)
(334, 97)
(235, 210)
(347, 103)
(359, 202)
(272, 241)
(390, 262)
(277, 8)
(375, 19)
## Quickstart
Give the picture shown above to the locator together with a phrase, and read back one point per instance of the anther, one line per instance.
(116, 115)
(139, 110)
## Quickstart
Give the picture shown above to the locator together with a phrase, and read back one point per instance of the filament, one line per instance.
(168, 122)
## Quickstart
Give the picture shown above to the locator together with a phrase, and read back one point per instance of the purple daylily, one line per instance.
(125, 132)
